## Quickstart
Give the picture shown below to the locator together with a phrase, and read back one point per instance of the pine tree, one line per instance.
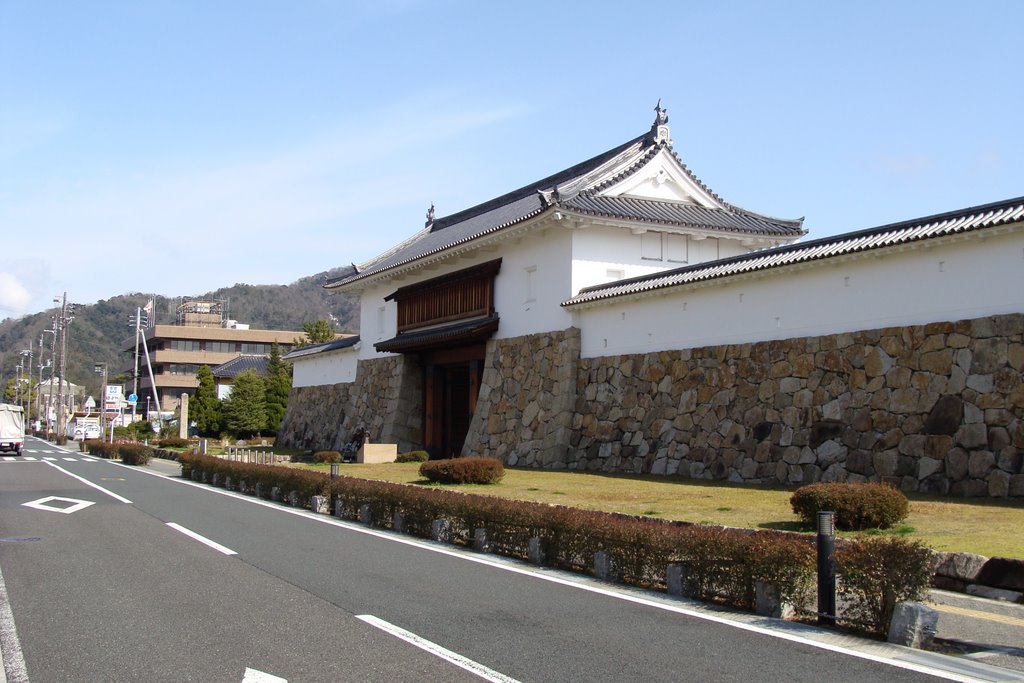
(205, 408)
(245, 411)
(278, 383)
(316, 333)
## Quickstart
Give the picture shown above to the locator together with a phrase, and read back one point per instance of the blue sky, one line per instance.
(175, 147)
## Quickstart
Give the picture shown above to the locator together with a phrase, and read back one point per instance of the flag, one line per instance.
(148, 310)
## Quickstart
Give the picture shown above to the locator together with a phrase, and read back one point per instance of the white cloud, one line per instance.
(265, 219)
(14, 296)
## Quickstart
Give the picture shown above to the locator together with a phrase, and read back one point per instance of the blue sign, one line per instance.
(132, 398)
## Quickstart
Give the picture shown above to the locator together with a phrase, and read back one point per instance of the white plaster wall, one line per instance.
(943, 282)
(598, 250)
(328, 367)
(534, 280)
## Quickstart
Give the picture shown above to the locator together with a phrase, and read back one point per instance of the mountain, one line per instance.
(98, 330)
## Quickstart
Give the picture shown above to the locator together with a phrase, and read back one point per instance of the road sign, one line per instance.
(132, 398)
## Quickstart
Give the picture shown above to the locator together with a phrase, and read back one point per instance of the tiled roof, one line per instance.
(679, 213)
(478, 329)
(574, 189)
(240, 364)
(929, 227)
(321, 348)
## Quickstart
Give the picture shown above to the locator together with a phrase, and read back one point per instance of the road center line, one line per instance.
(89, 483)
(436, 650)
(202, 539)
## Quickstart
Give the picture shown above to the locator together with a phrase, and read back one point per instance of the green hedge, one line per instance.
(323, 457)
(413, 456)
(723, 565)
(130, 453)
(464, 470)
(857, 506)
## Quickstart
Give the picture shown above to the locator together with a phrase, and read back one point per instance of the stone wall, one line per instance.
(314, 417)
(935, 408)
(527, 397)
(385, 399)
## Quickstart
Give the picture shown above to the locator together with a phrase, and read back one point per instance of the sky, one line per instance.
(178, 146)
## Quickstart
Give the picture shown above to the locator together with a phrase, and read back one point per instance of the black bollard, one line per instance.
(826, 568)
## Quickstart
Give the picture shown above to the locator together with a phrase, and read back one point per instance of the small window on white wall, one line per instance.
(613, 274)
(380, 320)
(650, 246)
(676, 248)
(531, 284)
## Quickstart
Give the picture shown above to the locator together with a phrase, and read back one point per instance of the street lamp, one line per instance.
(27, 377)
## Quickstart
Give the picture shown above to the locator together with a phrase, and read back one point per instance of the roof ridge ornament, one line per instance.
(659, 130)
(550, 197)
(430, 215)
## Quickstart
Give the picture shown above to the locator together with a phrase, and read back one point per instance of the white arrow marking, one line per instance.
(254, 676)
(75, 506)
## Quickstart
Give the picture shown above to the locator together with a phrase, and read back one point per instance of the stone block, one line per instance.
(676, 580)
(320, 504)
(604, 566)
(980, 463)
(535, 551)
(480, 541)
(768, 602)
(1000, 572)
(371, 453)
(994, 593)
(441, 530)
(913, 625)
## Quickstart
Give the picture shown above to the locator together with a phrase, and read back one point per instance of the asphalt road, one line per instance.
(110, 592)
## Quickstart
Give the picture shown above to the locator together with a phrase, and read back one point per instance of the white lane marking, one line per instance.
(13, 661)
(202, 539)
(70, 459)
(8, 458)
(29, 457)
(256, 676)
(85, 459)
(433, 648)
(574, 582)
(49, 459)
(75, 506)
(89, 483)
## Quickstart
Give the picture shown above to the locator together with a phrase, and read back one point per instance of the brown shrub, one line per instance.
(470, 470)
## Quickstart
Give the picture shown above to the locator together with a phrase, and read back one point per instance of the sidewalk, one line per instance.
(979, 629)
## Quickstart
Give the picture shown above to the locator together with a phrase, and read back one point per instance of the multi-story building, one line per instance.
(202, 337)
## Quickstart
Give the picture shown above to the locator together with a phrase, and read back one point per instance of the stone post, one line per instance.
(480, 540)
(913, 625)
(535, 551)
(365, 514)
(677, 579)
(183, 417)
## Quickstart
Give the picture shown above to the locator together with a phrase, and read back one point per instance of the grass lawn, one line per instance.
(984, 527)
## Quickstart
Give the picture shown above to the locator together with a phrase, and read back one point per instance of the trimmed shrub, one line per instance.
(173, 442)
(470, 470)
(857, 506)
(100, 448)
(326, 457)
(134, 453)
(877, 573)
(413, 456)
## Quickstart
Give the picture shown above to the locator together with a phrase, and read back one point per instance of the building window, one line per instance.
(221, 347)
(465, 294)
(184, 345)
(256, 349)
(664, 246)
(183, 369)
(531, 284)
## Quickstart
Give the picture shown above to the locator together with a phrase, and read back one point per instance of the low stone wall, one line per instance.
(386, 399)
(527, 397)
(315, 417)
(932, 408)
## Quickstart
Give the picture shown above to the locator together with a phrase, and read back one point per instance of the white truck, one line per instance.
(12, 428)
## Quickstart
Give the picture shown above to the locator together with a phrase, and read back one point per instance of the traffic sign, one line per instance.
(132, 398)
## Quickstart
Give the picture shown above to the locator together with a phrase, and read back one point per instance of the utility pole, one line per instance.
(53, 372)
(63, 321)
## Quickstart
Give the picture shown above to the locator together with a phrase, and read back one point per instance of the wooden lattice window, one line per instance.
(461, 295)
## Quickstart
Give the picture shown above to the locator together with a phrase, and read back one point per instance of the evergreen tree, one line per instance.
(205, 408)
(245, 411)
(278, 384)
(317, 332)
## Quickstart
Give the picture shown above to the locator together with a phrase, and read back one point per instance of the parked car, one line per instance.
(86, 432)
